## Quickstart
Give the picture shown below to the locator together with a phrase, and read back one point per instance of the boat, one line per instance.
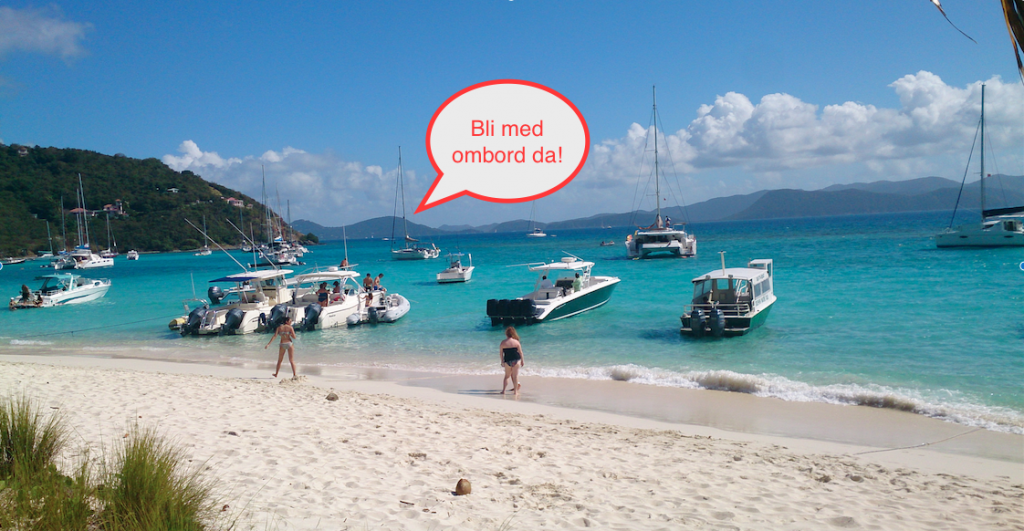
(556, 297)
(205, 249)
(660, 239)
(306, 309)
(382, 308)
(456, 272)
(999, 227)
(730, 302)
(59, 289)
(111, 250)
(12, 261)
(248, 307)
(82, 256)
(607, 244)
(132, 255)
(535, 231)
(418, 252)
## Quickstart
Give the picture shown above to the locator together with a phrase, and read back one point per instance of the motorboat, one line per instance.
(456, 272)
(12, 261)
(730, 302)
(999, 227)
(381, 308)
(660, 239)
(247, 305)
(563, 289)
(59, 289)
(132, 255)
(310, 310)
(409, 252)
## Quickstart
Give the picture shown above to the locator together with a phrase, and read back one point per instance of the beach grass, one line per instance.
(147, 485)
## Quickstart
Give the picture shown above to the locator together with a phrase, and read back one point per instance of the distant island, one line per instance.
(145, 200)
(879, 197)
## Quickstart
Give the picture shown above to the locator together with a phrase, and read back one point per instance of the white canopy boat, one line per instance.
(382, 308)
(254, 295)
(570, 290)
(59, 289)
(310, 310)
(730, 302)
(456, 272)
(999, 227)
(132, 255)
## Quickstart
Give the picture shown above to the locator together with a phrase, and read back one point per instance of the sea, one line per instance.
(869, 312)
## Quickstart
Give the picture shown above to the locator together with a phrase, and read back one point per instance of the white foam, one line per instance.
(22, 342)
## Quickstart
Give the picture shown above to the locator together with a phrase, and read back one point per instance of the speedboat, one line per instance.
(132, 255)
(730, 302)
(59, 289)
(570, 290)
(309, 311)
(456, 272)
(382, 308)
(12, 261)
(248, 304)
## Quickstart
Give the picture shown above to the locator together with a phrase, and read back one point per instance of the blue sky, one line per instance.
(752, 95)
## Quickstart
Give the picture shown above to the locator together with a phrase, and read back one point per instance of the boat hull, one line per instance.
(445, 277)
(734, 325)
(415, 254)
(561, 309)
(976, 237)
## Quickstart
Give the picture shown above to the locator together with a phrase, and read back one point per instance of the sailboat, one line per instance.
(660, 239)
(535, 231)
(999, 227)
(111, 250)
(205, 250)
(48, 254)
(408, 252)
(83, 256)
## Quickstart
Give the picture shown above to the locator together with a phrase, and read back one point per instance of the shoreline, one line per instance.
(879, 435)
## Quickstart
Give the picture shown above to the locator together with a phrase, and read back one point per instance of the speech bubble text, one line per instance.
(504, 141)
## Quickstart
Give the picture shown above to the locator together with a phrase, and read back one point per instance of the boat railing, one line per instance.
(729, 309)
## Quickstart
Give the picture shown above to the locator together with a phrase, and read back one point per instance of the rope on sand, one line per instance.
(918, 445)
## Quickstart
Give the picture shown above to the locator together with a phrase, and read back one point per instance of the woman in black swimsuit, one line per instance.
(511, 354)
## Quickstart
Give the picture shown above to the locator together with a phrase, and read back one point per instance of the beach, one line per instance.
(388, 452)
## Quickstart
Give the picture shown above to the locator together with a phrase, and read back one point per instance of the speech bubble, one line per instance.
(504, 141)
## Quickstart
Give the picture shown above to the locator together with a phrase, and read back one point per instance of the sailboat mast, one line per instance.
(63, 226)
(657, 185)
(48, 236)
(85, 211)
(401, 184)
(983, 153)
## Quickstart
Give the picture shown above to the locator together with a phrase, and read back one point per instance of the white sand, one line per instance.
(286, 458)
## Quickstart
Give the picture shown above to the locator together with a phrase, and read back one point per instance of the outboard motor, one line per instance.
(232, 321)
(697, 320)
(312, 317)
(371, 314)
(716, 322)
(216, 294)
(195, 318)
(277, 316)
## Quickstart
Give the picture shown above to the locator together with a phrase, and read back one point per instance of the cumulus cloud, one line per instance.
(42, 31)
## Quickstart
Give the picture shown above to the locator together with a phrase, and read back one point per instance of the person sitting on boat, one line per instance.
(322, 295)
(545, 283)
(377, 286)
(577, 283)
(368, 282)
(668, 222)
(336, 294)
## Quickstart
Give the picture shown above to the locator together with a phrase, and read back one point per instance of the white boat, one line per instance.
(248, 304)
(730, 302)
(309, 310)
(86, 259)
(82, 256)
(132, 255)
(205, 249)
(111, 250)
(999, 227)
(535, 231)
(59, 289)
(12, 261)
(456, 272)
(660, 239)
(570, 290)
(383, 308)
(408, 252)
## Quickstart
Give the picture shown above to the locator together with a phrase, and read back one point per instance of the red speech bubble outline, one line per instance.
(440, 174)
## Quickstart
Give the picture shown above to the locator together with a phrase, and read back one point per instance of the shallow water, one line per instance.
(868, 312)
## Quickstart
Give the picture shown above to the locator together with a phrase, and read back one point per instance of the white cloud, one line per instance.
(42, 31)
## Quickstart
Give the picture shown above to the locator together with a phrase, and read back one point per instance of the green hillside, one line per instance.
(153, 213)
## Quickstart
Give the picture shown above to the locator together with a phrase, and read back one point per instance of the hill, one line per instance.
(147, 202)
(375, 228)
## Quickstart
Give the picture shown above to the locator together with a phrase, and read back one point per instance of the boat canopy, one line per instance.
(254, 275)
(743, 273)
(60, 276)
(567, 263)
(325, 276)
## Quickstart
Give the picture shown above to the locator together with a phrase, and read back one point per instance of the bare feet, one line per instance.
(275, 375)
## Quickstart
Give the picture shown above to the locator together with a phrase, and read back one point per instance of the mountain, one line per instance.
(920, 186)
(147, 201)
(376, 228)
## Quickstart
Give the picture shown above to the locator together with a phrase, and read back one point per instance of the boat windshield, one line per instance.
(721, 290)
(52, 284)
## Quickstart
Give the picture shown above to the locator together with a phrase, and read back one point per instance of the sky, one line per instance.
(320, 95)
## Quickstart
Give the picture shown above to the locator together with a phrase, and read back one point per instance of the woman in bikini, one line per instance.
(287, 334)
(511, 354)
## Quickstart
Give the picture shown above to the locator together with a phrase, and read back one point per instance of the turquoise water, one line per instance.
(868, 312)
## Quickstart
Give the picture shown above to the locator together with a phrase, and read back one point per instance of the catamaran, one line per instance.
(660, 239)
(407, 253)
(570, 290)
(999, 227)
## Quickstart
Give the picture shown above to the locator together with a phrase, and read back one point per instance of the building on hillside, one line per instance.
(172, 190)
(22, 151)
(235, 202)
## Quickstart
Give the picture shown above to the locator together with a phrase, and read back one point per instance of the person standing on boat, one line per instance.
(344, 263)
(287, 334)
(323, 297)
(368, 282)
(577, 284)
(377, 283)
(510, 351)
